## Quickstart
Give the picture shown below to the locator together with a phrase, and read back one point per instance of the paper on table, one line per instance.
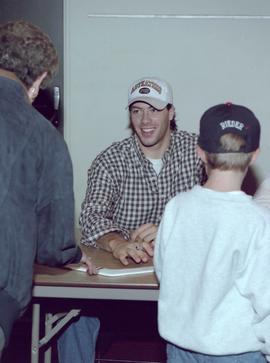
(112, 272)
(125, 271)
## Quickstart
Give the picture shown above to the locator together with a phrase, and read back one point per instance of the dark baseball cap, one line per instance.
(228, 118)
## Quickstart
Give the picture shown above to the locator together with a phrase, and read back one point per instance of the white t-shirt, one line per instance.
(157, 164)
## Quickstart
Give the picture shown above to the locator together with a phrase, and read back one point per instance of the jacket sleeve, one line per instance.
(55, 204)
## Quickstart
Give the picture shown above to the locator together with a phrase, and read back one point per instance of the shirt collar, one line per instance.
(166, 155)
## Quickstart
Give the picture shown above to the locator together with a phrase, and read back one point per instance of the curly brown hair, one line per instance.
(27, 51)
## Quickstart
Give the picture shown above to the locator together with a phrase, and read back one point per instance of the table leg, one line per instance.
(53, 324)
(35, 333)
(48, 328)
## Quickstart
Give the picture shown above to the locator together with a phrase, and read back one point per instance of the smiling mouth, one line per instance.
(147, 131)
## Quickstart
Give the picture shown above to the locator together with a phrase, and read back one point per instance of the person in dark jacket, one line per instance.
(36, 178)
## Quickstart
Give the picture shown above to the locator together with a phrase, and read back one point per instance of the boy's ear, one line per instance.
(254, 156)
(201, 153)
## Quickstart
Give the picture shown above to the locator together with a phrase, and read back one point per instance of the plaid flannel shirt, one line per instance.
(124, 192)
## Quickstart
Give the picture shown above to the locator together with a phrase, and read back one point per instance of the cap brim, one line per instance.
(158, 104)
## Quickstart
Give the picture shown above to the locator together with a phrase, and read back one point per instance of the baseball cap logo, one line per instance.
(144, 90)
(231, 123)
(153, 91)
(146, 83)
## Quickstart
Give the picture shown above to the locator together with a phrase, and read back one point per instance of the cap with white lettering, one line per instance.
(228, 118)
(152, 90)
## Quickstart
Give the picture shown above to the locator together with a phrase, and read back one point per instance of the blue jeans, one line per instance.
(78, 342)
(178, 355)
(2, 341)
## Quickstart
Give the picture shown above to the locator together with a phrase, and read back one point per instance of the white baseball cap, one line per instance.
(154, 91)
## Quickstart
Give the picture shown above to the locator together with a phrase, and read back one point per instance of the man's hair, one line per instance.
(173, 125)
(232, 159)
(27, 51)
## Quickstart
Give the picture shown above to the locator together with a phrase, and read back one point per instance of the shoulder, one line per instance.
(259, 217)
(48, 146)
(26, 129)
(45, 131)
(181, 198)
(185, 136)
(116, 152)
(266, 181)
(262, 195)
(262, 212)
(185, 140)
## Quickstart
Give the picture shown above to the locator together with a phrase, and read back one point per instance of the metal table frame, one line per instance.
(47, 285)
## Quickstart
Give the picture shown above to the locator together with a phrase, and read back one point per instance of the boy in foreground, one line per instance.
(212, 252)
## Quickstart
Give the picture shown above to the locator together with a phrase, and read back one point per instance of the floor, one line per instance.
(128, 334)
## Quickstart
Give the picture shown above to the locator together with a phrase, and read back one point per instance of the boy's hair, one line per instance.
(27, 51)
(232, 159)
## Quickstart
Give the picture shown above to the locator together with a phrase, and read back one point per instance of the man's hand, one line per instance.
(139, 252)
(91, 267)
(145, 233)
(139, 247)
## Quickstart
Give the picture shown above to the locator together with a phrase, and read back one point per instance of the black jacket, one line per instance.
(36, 200)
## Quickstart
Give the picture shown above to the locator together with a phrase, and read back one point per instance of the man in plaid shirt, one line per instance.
(131, 181)
(129, 185)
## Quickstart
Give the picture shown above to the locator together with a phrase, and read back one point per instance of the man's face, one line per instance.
(151, 126)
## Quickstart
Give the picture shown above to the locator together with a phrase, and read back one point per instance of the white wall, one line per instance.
(210, 52)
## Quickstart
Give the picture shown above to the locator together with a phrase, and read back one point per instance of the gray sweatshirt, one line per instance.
(212, 256)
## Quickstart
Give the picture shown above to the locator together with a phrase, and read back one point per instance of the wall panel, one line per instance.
(209, 54)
